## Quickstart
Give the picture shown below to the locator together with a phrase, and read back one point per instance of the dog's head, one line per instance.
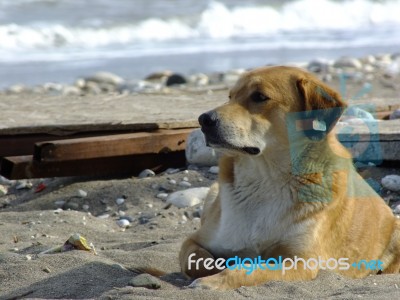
(255, 118)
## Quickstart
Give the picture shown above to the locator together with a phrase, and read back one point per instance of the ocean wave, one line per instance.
(217, 22)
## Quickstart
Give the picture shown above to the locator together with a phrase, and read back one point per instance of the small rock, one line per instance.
(5, 181)
(59, 203)
(197, 152)
(348, 62)
(81, 193)
(47, 270)
(24, 185)
(162, 196)
(58, 211)
(146, 173)
(123, 223)
(199, 79)
(318, 66)
(172, 181)
(213, 170)
(71, 205)
(85, 207)
(391, 182)
(103, 216)
(71, 91)
(144, 219)
(185, 184)
(106, 77)
(175, 79)
(396, 210)
(171, 171)
(3, 190)
(16, 89)
(146, 281)
(189, 197)
(120, 201)
(129, 218)
(149, 205)
(395, 115)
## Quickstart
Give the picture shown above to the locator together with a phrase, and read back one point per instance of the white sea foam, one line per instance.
(302, 23)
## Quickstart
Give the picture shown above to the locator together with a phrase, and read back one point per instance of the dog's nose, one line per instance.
(208, 120)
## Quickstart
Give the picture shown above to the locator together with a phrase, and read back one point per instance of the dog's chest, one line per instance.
(254, 216)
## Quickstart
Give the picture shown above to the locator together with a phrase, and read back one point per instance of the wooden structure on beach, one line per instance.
(51, 136)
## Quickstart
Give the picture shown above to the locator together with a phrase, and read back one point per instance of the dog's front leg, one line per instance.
(192, 257)
(231, 279)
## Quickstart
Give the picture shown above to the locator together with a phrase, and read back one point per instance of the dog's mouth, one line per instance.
(219, 143)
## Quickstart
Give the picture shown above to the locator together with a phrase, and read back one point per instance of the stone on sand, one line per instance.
(145, 280)
(189, 197)
(391, 182)
(197, 151)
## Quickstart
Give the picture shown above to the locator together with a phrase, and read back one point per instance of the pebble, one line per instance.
(123, 223)
(129, 218)
(189, 197)
(185, 184)
(103, 216)
(391, 182)
(145, 280)
(85, 207)
(396, 210)
(58, 210)
(149, 205)
(172, 181)
(24, 185)
(81, 193)
(213, 170)
(105, 77)
(47, 270)
(175, 79)
(197, 152)
(171, 171)
(120, 201)
(71, 91)
(5, 181)
(3, 190)
(59, 203)
(347, 62)
(147, 173)
(71, 206)
(162, 196)
(318, 66)
(395, 115)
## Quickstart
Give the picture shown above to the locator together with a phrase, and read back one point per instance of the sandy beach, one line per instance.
(32, 222)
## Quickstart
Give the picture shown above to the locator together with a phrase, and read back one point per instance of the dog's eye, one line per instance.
(258, 97)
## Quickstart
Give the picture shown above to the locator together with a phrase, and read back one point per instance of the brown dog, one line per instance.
(287, 189)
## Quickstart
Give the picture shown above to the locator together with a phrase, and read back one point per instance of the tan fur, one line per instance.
(256, 207)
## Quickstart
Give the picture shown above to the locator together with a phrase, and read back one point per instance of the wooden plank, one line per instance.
(114, 145)
(22, 167)
(23, 144)
(37, 114)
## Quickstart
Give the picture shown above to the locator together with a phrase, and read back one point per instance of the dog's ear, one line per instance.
(322, 106)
